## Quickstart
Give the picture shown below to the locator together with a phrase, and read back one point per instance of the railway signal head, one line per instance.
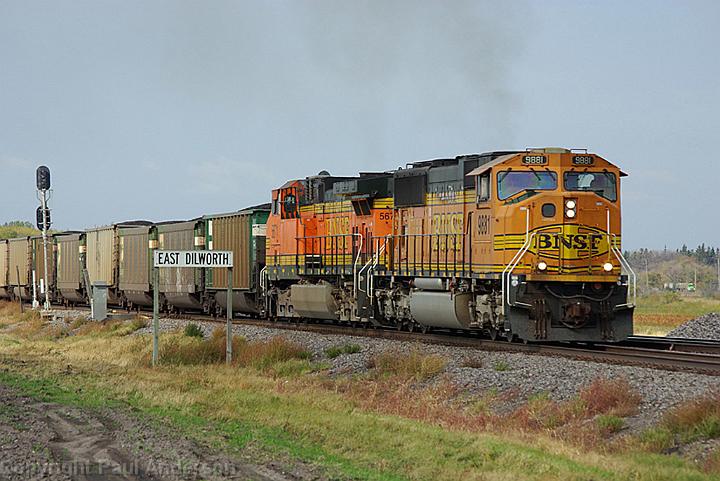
(42, 175)
(39, 218)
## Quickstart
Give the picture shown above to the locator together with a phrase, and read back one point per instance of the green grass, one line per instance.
(610, 423)
(501, 366)
(294, 415)
(193, 330)
(335, 351)
(657, 314)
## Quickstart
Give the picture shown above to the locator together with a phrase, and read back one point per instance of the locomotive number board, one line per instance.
(534, 160)
(583, 160)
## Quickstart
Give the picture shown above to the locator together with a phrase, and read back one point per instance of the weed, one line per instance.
(335, 351)
(712, 463)
(501, 366)
(264, 354)
(413, 365)
(473, 362)
(296, 367)
(75, 323)
(610, 396)
(656, 439)
(193, 330)
(194, 351)
(609, 423)
(696, 419)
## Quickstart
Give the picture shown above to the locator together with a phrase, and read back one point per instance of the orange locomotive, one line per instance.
(516, 244)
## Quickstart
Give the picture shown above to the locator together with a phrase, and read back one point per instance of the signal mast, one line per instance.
(42, 217)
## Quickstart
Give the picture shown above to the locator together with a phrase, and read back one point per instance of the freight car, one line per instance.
(519, 244)
(243, 233)
(5, 289)
(70, 264)
(102, 257)
(20, 267)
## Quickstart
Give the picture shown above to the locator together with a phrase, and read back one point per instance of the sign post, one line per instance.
(156, 320)
(228, 327)
(197, 259)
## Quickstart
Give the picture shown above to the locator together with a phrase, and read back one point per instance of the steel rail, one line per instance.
(689, 358)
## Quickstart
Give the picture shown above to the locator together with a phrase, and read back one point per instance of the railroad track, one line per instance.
(662, 355)
(677, 354)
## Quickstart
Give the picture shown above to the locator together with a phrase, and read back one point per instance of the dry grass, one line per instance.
(712, 463)
(413, 365)
(687, 422)
(191, 350)
(472, 362)
(428, 430)
(610, 396)
(699, 418)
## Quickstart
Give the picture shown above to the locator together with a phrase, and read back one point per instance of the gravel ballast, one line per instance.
(703, 327)
(517, 375)
(520, 374)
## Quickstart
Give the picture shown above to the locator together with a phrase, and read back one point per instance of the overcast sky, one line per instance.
(173, 109)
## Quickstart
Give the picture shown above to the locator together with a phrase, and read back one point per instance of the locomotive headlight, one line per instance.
(608, 267)
(570, 204)
(542, 266)
(570, 213)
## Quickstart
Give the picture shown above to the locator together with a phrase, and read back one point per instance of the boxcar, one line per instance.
(20, 267)
(243, 233)
(38, 265)
(70, 263)
(4, 262)
(182, 287)
(136, 245)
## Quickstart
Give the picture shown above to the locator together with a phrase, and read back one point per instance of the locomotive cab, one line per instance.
(557, 237)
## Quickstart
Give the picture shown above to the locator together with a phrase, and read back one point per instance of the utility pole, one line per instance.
(43, 219)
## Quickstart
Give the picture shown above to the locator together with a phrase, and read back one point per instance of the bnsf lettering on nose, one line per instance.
(569, 241)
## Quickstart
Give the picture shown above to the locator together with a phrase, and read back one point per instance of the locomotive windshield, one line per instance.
(602, 183)
(511, 182)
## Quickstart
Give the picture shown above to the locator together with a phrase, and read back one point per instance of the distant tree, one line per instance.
(17, 228)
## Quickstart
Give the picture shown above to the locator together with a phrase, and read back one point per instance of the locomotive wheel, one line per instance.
(510, 336)
(493, 333)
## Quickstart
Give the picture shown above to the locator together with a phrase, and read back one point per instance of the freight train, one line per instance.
(523, 245)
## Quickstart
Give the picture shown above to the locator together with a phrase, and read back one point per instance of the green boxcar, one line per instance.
(243, 233)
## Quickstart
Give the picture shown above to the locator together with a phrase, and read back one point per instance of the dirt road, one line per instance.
(56, 442)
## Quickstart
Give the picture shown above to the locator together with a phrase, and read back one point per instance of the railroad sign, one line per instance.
(193, 258)
(163, 259)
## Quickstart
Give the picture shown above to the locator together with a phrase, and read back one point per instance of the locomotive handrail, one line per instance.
(370, 282)
(357, 259)
(458, 244)
(626, 265)
(507, 272)
(263, 287)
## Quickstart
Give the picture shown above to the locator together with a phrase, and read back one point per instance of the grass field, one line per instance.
(277, 400)
(657, 314)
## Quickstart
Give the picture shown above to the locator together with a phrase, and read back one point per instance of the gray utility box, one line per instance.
(98, 302)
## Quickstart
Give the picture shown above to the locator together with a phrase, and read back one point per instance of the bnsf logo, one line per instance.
(570, 242)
